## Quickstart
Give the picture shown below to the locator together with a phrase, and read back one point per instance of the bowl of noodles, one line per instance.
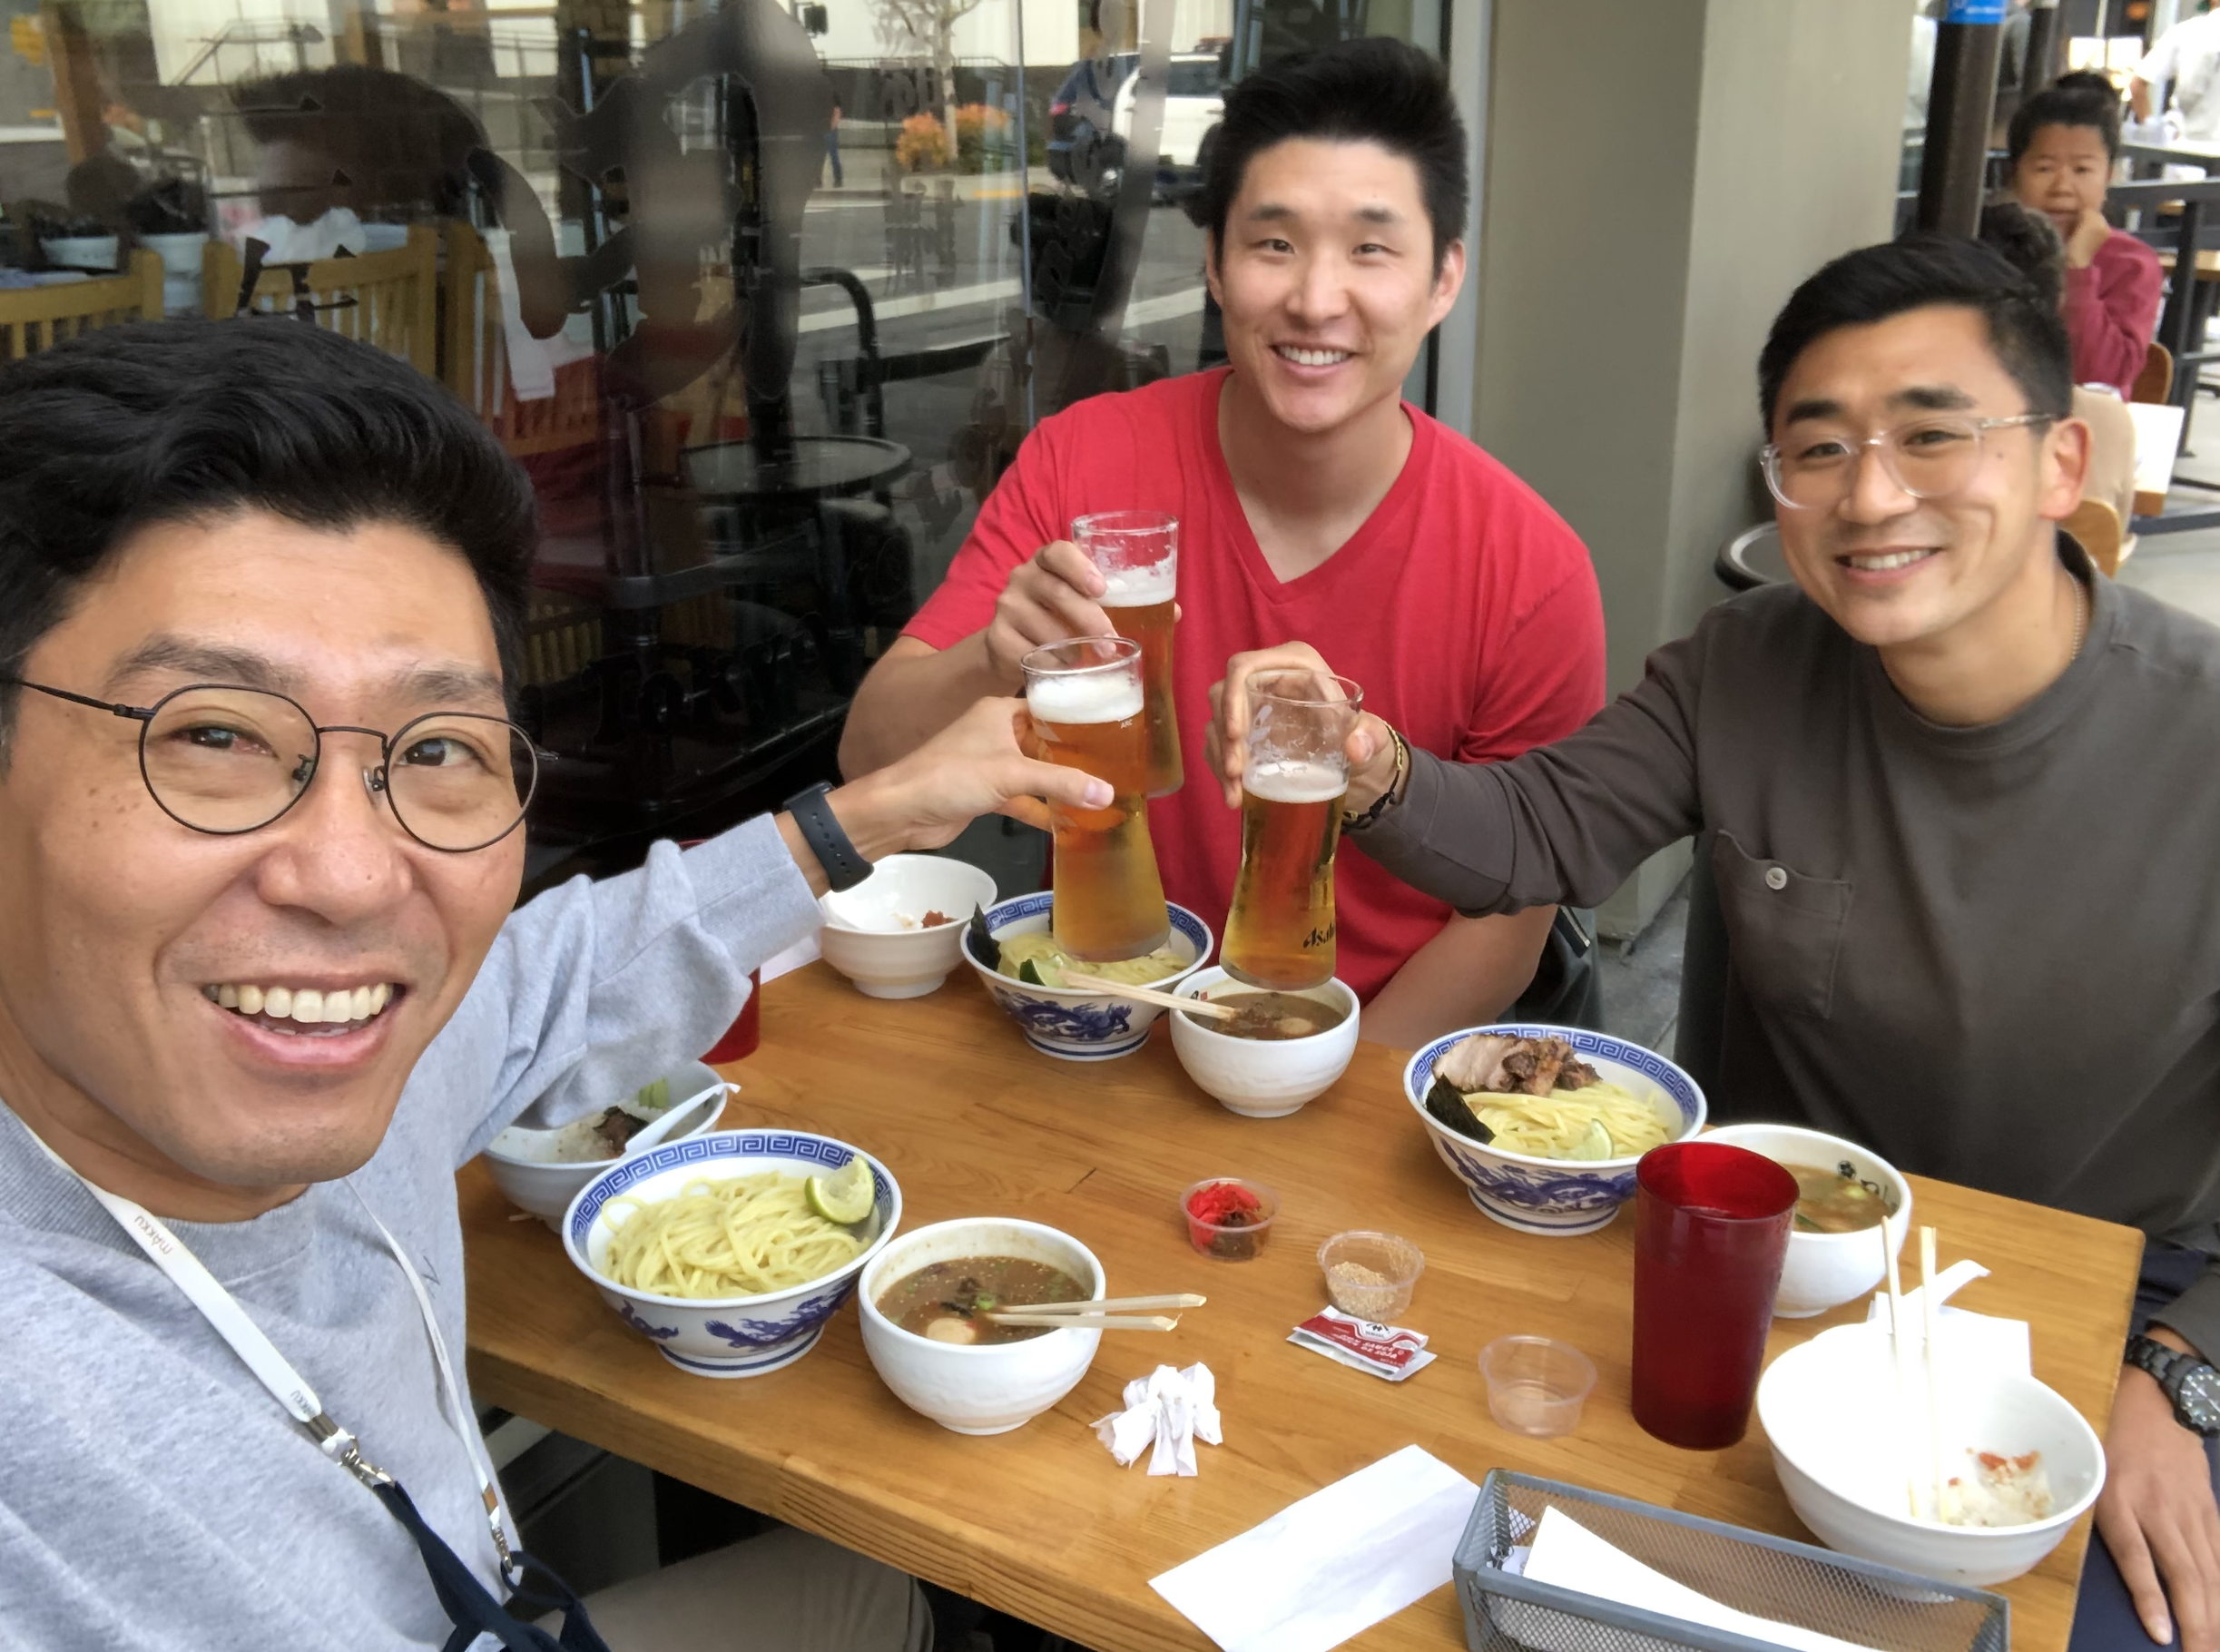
(715, 1250)
(1070, 1024)
(1544, 1125)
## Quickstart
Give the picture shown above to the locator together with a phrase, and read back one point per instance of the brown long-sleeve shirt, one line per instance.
(1991, 953)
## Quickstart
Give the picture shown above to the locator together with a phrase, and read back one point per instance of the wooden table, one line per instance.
(1041, 1522)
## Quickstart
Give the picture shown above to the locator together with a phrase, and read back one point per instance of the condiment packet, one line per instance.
(1173, 1408)
(1384, 1351)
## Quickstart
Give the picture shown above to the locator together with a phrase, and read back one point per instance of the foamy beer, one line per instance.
(1138, 552)
(1087, 712)
(1280, 932)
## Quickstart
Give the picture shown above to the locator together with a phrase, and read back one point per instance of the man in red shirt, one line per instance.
(1311, 499)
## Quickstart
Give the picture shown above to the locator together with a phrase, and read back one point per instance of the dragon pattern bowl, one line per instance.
(1079, 1026)
(738, 1336)
(1556, 1196)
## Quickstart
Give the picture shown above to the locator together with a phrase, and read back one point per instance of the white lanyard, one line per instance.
(273, 1370)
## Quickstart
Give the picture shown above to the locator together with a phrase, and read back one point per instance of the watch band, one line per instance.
(2174, 1370)
(820, 829)
(1387, 800)
(2149, 1356)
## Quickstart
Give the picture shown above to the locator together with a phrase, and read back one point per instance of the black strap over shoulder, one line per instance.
(470, 1606)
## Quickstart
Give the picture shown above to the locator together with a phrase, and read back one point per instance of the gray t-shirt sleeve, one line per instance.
(593, 989)
(2195, 1315)
(1566, 822)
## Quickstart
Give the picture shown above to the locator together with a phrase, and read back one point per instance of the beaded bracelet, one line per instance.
(1386, 799)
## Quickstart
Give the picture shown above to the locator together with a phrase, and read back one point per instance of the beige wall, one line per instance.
(1660, 174)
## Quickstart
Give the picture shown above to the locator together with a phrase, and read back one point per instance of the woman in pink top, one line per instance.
(2063, 141)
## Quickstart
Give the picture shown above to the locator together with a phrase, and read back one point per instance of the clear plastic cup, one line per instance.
(1371, 1275)
(1536, 1385)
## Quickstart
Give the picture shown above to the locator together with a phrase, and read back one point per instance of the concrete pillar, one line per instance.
(1659, 176)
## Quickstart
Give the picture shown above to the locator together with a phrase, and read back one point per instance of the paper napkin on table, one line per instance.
(1568, 1555)
(1332, 1565)
(1173, 1408)
(1998, 1344)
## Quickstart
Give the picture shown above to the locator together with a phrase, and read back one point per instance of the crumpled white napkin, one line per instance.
(1996, 1344)
(1173, 1408)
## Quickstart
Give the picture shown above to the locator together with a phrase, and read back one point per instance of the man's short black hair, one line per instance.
(1874, 284)
(1376, 91)
(2032, 243)
(2073, 100)
(192, 420)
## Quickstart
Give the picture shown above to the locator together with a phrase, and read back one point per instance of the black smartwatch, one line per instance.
(2192, 1385)
(844, 867)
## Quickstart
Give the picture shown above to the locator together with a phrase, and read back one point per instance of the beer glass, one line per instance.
(1085, 700)
(1280, 932)
(1138, 552)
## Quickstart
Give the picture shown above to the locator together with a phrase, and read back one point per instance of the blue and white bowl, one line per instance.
(738, 1336)
(1556, 1196)
(1079, 1026)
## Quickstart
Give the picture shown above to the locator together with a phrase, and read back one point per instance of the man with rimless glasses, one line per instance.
(261, 991)
(1955, 790)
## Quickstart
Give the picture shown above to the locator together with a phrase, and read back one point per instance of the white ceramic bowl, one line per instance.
(1079, 1026)
(1250, 1077)
(1844, 1451)
(739, 1336)
(1825, 1271)
(1556, 1196)
(864, 938)
(523, 1164)
(978, 1390)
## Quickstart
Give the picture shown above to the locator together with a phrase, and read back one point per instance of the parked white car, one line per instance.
(1081, 152)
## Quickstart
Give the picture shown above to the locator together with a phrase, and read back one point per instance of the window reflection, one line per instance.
(764, 297)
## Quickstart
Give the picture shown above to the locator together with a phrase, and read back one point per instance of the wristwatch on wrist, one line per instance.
(844, 867)
(2193, 1385)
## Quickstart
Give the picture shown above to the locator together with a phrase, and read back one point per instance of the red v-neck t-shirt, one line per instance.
(1464, 606)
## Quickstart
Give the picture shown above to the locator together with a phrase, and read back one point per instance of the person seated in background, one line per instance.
(278, 1005)
(1951, 789)
(1313, 500)
(2063, 143)
(2032, 243)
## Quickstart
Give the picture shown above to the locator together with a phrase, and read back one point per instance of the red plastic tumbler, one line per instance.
(1712, 1224)
(744, 1034)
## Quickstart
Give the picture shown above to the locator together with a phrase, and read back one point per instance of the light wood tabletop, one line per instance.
(1041, 1522)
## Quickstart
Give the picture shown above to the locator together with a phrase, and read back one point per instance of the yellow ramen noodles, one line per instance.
(1050, 961)
(1599, 1121)
(741, 1237)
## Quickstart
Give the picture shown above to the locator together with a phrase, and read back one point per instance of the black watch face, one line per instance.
(2198, 1399)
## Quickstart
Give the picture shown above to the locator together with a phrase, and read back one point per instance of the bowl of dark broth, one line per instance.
(926, 1299)
(1279, 1052)
(1850, 1204)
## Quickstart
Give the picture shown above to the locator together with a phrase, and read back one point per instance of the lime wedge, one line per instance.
(845, 1196)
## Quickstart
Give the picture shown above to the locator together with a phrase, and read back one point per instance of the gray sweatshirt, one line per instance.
(1991, 954)
(152, 1493)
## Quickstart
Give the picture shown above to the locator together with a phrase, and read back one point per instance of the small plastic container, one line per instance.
(1536, 1385)
(1225, 1239)
(1371, 1275)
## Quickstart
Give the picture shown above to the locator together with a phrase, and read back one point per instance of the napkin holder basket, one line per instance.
(1769, 1576)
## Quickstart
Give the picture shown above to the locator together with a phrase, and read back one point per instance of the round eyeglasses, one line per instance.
(224, 760)
(1930, 458)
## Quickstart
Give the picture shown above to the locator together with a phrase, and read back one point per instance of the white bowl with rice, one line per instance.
(542, 1171)
(743, 1334)
(1851, 1455)
(882, 934)
(1532, 1192)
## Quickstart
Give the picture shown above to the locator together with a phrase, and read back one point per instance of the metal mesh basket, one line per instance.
(1767, 1576)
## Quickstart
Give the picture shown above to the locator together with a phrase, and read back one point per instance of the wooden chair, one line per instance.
(390, 300)
(2155, 383)
(2098, 528)
(35, 318)
(476, 360)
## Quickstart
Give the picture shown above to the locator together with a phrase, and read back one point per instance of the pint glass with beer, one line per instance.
(1280, 932)
(1137, 554)
(1085, 700)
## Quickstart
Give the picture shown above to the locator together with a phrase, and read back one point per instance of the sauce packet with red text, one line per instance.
(1384, 1351)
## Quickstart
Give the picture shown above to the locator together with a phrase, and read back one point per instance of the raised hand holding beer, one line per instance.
(1370, 750)
(1054, 593)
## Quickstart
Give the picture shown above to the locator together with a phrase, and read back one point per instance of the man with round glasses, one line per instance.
(263, 990)
(1952, 786)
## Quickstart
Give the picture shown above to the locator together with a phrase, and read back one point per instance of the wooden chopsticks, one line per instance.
(1147, 995)
(1107, 1315)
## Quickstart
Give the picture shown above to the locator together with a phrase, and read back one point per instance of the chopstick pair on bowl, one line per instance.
(1929, 1308)
(1078, 981)
(1112, 1313)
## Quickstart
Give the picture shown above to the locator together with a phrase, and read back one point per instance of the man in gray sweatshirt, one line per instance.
(1955, 791)
(260, 596)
